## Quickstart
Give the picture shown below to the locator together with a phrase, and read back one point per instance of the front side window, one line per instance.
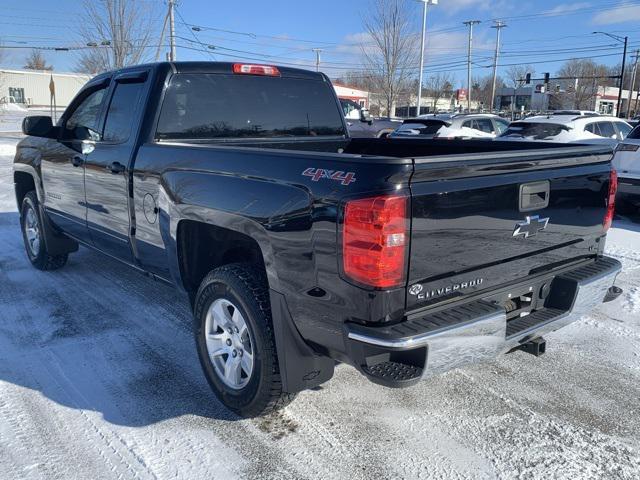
(121, 112)
(217, 106)
(86, 115)
(501, 125)
(607, 130)
(484, 125)
(624, 129)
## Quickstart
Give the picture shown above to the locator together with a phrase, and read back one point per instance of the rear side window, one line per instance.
(421, 128)
(121, 111)
(216, 106)
(535, 131)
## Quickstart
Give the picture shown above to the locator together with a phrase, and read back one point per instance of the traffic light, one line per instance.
(546, 79)
(527, 79)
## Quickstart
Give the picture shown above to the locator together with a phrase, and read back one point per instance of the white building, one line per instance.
(361, 97)
(31, 87)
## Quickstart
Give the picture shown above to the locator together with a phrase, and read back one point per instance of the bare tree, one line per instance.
(516, 75)
(119, 33)
(392, 50)
(482, 87)
(36, 61)
(582, 87)
(439, 86)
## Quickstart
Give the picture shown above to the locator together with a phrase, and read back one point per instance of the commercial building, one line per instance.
(32, 87)
(362, 97)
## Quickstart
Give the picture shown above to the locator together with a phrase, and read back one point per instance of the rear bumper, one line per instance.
(402, 354)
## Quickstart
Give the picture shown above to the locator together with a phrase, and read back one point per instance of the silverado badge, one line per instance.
(531, 226)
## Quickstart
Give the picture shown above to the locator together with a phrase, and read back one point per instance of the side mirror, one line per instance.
(39, 126)
(365, 116)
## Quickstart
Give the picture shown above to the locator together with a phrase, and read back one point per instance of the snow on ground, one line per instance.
(11, 116)
(99, 379)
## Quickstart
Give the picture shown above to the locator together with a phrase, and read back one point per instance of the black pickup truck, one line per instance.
(299, 247)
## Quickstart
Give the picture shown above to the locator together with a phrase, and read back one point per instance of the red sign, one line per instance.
(461, 94)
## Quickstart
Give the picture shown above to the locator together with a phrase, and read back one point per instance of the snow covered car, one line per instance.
(627, 163)
(452, 126)
(599, 129)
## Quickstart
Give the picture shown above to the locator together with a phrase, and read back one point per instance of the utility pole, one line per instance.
(499, 25)
(624, 60)
(318, 52)
(425, 3)
(470, 24)
(624, 40)
(172, 31)
(633, 83)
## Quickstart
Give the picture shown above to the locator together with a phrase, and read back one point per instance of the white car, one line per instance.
(626, 161)
(569, 128)
(452, 126)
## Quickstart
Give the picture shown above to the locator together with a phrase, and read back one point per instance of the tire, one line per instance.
(33, 233)
(229, 297)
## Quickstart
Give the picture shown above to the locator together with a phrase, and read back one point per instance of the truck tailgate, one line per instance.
(482, 222)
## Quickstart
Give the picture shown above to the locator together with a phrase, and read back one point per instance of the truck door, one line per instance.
(107, 168)
(63, 162)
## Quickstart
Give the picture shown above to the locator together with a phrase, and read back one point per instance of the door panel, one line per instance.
(107, 171)
(63, 163)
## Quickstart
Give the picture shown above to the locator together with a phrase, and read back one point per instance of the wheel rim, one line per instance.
(32, 231)
(229, 344)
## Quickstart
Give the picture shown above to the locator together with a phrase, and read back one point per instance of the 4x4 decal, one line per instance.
(345, 178)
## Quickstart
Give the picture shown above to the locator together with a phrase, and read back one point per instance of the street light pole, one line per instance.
(425, 3)
(470, 24)
(499, 25)
(172, 32)
(318, 52)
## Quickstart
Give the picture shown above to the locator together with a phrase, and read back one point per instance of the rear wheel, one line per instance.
(235, 340)
(33, 233)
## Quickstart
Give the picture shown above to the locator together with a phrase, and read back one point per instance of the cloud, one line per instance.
(567, 7)
(453, 7)
(624, 12)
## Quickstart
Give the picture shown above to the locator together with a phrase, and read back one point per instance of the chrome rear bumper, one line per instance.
(475, 332)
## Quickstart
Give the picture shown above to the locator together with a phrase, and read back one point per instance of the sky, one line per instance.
(543, 33)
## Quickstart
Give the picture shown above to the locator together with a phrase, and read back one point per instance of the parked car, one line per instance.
(599, 129)
(452, 126)
(626, 161)
(362, 125)
(299, 247)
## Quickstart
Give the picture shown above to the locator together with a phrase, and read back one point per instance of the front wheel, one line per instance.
(235, 340)
(33, 233)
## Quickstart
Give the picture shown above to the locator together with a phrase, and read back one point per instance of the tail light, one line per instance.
(627, 147)
(611, 200)
(250, 69)
(374, 241)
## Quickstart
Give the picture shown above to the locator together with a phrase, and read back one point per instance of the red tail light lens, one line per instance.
(611, 200)
(374, 241)
(250, 69)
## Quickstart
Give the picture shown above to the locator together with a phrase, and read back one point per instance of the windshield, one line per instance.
(535, 131)
(214, 106)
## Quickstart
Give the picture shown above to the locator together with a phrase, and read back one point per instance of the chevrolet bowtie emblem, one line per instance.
(531, 226)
